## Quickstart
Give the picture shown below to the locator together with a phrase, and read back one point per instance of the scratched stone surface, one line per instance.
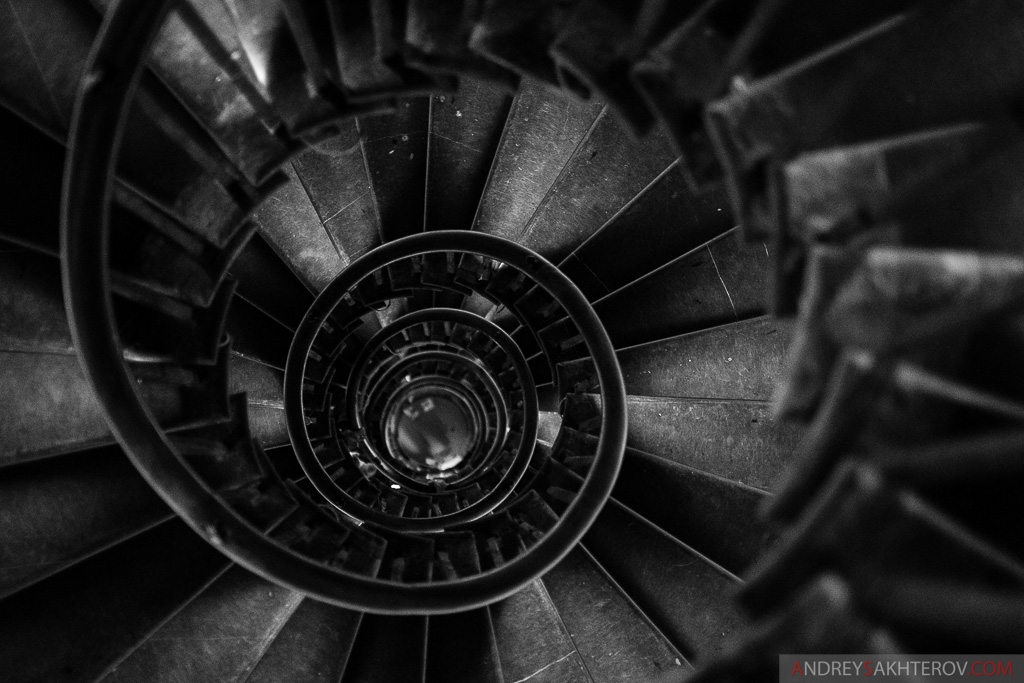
(395, 150)
(540, 137)
(686, 595)
(609, 168)
(288, 221)
(614, 638)
(738, 440)
(533, 644)
(465, 130)
(335, 177)
(741, 360)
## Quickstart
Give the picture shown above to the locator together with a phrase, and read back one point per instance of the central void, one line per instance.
(432, 429)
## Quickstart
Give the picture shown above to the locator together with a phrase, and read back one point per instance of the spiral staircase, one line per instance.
(507, 340)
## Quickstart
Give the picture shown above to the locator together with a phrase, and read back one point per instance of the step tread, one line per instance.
(186, 67)
(266, 282)
(288, 221)
(688, 597)
(32, 314)
(614, 639)
(737, 440)
(717, 517)
(335, 178)
(236, 618)
(263, 387)
(269, 425)
(608, 168)
(54, 410)
(533, 643)
(741, 360)
(395, 150)
(673, 219)
(540, 136)
(312, 647)
(465, 131)
(721, 282)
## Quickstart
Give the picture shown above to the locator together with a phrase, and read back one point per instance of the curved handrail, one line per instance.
(111, 77)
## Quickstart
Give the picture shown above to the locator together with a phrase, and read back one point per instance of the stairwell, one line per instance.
(719, 302)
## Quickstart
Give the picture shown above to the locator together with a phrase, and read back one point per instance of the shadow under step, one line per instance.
(56, 513)
(673, 220)
(721, 282)
(395, 151)
(607, 170)
(257, 336)
(266, 282)
(715, 516)
(461, 648)
(75, 625)
(389, 649)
